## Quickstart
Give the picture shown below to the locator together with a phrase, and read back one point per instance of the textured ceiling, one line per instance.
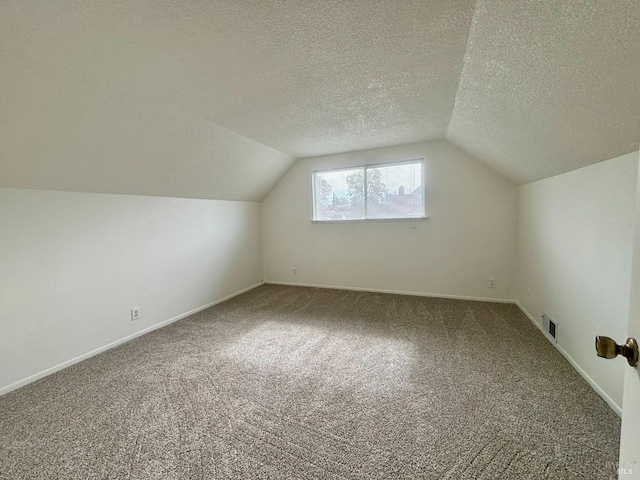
(549, 86)
(85, 108)
(215, 99)
(306, 78)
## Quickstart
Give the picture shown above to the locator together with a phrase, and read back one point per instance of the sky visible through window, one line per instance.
(338, 180)
(407, 176)
(393, 191)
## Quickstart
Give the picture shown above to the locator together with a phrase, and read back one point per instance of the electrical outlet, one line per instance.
(295, 271)
(135, 314)
(492, 283)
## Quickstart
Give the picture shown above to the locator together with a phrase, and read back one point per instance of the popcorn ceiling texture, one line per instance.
(549, 86)
(88, 107)
(300, 383)
(311, 78)
(216, 99)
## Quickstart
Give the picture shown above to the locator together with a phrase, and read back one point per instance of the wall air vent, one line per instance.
(550, 327)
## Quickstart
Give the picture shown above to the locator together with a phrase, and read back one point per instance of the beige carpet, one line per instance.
(290, 382)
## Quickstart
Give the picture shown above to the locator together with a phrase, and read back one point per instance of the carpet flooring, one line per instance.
(302, 383)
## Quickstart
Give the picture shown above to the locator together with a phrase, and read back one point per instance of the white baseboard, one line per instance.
(32, 378)
(84, 356)
(397, 292)
(612, 404)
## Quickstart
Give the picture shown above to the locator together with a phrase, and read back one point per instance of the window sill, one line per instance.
(373, 220)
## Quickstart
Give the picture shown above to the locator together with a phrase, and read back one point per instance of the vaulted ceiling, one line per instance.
(216, 99)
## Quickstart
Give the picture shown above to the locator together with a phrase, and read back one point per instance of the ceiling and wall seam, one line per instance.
(548, 87)
(229, 94)
(464, 62)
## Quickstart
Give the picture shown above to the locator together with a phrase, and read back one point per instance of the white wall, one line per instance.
(470, 235)
(73, 264)
(574, 261)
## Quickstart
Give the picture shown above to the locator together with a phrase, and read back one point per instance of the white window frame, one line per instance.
(424, 215)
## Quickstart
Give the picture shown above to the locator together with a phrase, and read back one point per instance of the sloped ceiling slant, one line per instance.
(216, 99)
(549, 86)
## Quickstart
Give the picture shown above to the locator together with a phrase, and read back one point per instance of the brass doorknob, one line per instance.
(607, 348)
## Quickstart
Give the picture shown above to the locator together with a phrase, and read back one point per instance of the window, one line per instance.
(385, 191)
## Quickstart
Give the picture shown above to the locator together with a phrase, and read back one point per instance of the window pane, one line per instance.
(339, 195)
(395, 191)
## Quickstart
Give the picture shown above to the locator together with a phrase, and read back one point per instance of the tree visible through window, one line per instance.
(392, 190)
